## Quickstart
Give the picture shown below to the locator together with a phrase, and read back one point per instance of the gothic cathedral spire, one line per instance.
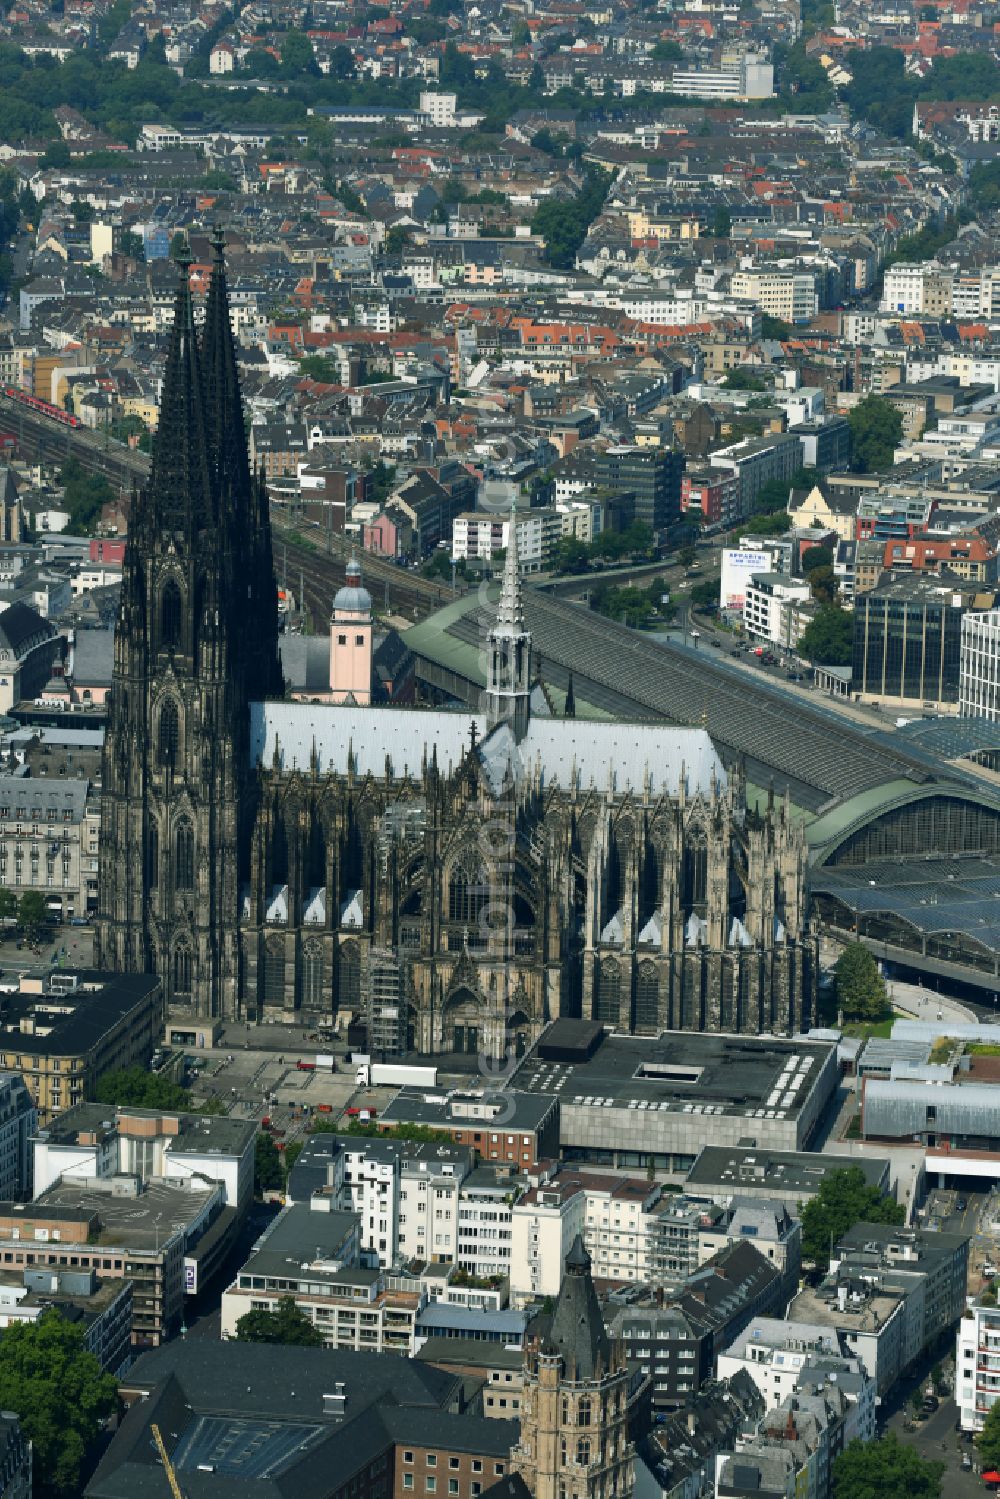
(176, 789)
(242, 498)
(508, 685)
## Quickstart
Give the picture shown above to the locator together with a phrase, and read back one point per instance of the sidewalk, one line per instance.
(919, 1003)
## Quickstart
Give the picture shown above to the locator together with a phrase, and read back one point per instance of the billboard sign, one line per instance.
(738, 567)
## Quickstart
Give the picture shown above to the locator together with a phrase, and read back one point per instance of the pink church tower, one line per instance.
(351, 641)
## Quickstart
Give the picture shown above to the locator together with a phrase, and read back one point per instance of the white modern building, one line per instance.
(97, 1142)
(440, 109)
(480, 534)
(979, 665)
(484, 1224)
(977, 1364)
(771, 609)
(743, 76)
(790, 295)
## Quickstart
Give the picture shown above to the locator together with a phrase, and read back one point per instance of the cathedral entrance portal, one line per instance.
(463, 1022)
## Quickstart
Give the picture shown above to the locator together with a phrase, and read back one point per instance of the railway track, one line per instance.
(308, 568)
(307, 562)
(46, 441)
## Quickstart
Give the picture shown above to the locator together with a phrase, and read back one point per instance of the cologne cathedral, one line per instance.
(457, 878)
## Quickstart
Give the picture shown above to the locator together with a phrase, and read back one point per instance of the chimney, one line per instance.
(335, 1404)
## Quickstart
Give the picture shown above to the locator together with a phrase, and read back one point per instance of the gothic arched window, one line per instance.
(607, 999)
(169, 733)
(153, 855)
(184, 856)
(583, 1452)
(647, 996)
(312, 975)
(182, 970)
(468, 891)
(583, 1411)
(170, 614)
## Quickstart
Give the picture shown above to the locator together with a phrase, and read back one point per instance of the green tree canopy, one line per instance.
(563, 223)
(988, 1440)
(31, 913)
(886, 1469)
(8, 904)
(297, 56)
(818, 556)
(774, 524)
(85, 496)
(828, 638)
(843, 1199)
(267, 1173)
(876, 431)
(284, 1325)
(136, 1088)
(61, 1395)
(743, 378)
(860, 987)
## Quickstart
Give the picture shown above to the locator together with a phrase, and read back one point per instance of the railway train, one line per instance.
(44, 408)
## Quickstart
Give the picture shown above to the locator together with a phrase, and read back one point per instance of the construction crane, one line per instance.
(168, 1466)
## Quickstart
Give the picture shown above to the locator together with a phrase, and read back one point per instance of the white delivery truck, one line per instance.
(369, 1074)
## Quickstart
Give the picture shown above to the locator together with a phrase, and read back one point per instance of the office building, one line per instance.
(314, 1257)
(96, 1142)
(63, 1031)
(18, 1122)
(652, 475)
(778, 1176)
(100, 1306)
(908, 639)
(979, 666)
(515, 1129)
(634, 1101)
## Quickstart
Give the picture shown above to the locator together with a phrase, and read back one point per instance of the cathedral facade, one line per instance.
(472, 875)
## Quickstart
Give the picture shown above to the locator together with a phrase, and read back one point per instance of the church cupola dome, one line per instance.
(353, 598)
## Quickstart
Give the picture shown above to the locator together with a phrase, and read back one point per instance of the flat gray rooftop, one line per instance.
(683, 1072)
(145, 1222)
(743, 1168)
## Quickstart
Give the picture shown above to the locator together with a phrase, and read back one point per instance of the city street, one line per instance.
(936, 1438)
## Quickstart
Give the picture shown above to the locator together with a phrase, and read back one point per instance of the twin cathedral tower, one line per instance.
(266, 858)
(196, 641)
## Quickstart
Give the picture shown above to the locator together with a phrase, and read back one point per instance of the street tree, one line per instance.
(61, 1396)
(844, 1198)
(268, 1175)
(134, 1087)
(31, 913)
(886, 1469)
(284, 1325)
(988, 1440)
(876, 432)
(828, 638)
(860, 987)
